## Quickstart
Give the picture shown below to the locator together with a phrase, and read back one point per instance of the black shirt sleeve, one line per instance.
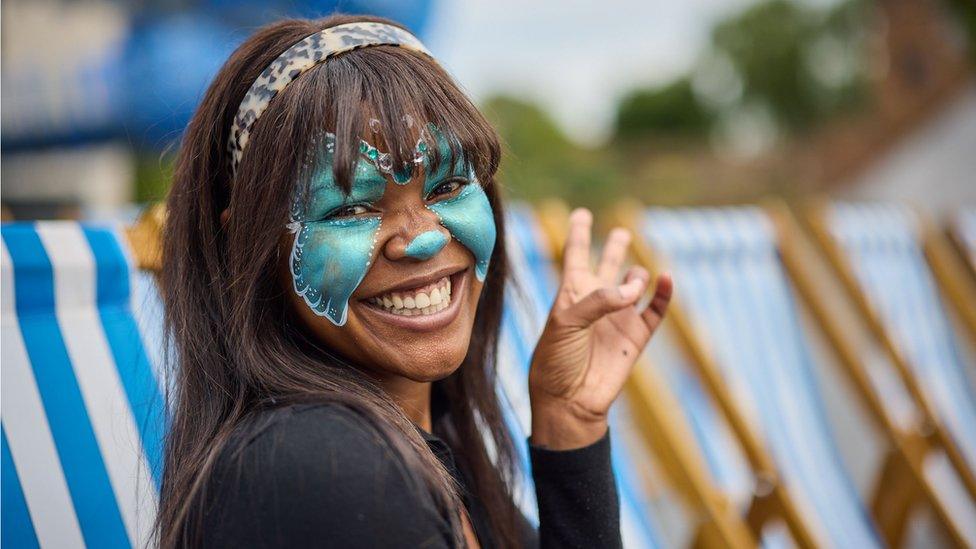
(577, 495)
(321, 477)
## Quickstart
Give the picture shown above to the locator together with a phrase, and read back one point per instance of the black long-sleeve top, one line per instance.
(319, 476)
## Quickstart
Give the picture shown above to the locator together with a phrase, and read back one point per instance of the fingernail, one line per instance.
(630, 290)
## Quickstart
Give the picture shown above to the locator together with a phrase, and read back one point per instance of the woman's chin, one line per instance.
(422, 364)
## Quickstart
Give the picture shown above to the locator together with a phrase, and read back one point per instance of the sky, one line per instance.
(574, 58)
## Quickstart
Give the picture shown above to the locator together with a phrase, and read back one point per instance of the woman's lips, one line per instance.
(416, 309)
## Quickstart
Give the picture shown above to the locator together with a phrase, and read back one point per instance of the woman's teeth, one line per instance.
(422, 301)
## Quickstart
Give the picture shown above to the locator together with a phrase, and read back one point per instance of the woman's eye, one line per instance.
(352, 210)
(446, 188)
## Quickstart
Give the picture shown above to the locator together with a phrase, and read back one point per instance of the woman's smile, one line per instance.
(422, 303)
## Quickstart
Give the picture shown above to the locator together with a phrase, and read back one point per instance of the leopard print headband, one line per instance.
(310, 51)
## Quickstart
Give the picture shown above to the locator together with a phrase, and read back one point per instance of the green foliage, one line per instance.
(672, 109)
(965, 12)
(153, 176)
(539, 161)
(803, 64)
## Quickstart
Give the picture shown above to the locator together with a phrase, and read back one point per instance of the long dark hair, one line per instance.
(237, 348)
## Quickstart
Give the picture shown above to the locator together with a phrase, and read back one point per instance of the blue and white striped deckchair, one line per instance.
(724, 458)
(527, 307)
(881, 246)
(81, 407)
(736, 292)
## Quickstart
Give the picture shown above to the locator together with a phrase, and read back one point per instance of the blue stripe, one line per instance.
(125, 341)
(18, 529)
(84, 470)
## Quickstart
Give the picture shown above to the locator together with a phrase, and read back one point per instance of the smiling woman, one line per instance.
(333, 282)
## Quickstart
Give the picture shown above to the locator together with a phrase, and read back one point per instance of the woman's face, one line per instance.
(389, 275)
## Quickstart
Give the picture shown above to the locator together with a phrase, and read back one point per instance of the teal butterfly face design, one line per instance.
(332, 254)
(333, 251)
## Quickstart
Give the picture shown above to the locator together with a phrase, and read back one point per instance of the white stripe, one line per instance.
(94, 366)
(631, 533)
(31, 443)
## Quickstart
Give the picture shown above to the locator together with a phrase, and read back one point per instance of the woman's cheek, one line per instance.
(328, 262)
(469, 218)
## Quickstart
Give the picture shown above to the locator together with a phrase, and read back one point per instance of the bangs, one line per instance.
(401, 89)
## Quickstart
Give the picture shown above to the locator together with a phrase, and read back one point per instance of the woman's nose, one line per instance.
(419, 246)
(425, 245)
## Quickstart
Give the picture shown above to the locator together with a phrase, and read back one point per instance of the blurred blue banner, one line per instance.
(144, 85)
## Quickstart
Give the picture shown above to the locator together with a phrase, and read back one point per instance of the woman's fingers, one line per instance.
(603, 301)
(576, 255)
(614, 254)
(637, 272)
(658, 306)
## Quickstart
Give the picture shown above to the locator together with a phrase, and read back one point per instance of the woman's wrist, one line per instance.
(561, 425)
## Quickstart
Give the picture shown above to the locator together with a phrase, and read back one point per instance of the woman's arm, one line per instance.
(591, 341)
(577, 496)
(319, 477)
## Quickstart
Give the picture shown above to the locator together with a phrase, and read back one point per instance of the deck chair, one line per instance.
(527, 306)
(81, 405)
(879, 256)
(735, 315)
(913, 470)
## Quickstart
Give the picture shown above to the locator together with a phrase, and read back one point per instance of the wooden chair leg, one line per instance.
(895, 495)
(776, 503)
(901, 489)
(709, 536)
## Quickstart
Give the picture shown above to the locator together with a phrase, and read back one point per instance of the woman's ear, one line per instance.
(224, 216)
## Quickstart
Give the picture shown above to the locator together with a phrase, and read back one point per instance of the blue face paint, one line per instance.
(331, 254)
(426, 245)
(467, 215)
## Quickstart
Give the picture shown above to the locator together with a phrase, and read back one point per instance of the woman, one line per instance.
(333, 280)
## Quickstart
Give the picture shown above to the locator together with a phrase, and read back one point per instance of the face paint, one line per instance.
(384, 161)
(468, 214)
(331, 254)
(426, 245)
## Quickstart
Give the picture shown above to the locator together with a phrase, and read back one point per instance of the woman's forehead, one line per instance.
(433, 159)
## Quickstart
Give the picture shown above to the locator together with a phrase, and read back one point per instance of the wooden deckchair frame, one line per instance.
(145, 239)
(816, 218)
(952, 274)
(771, 501)
(902, 482)
(665, 431)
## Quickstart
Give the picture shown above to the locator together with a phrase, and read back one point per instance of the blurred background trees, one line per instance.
(777, 103)
(782, 97)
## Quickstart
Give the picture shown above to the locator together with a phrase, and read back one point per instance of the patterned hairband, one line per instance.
(310, 51)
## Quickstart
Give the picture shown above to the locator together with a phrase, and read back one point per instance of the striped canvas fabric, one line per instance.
(882, 245)
(735, 290)
(527, 305)
(81, 406)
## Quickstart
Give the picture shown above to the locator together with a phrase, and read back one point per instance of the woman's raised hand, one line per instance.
(592, 339)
